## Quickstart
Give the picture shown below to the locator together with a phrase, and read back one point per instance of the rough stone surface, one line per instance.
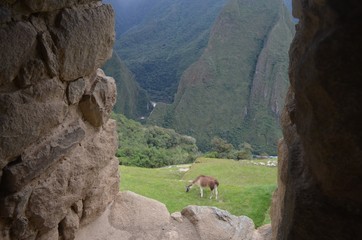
(148, 214)
(47, 53)
(57, 171)
(96, 105)
(75, 91)
(83, 39)
(131, 216)
(17, 41)
(214, 224)
(69, 225)
(263, 233)
(28, 114)
(46, 5)
(319, 194)
(39, 157)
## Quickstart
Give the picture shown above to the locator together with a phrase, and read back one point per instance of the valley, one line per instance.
(215, 68)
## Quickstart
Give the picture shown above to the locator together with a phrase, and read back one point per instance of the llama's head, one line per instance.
(188, 188)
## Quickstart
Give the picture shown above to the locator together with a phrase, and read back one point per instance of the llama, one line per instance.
(204, 182)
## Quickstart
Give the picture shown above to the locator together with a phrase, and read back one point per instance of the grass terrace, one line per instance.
(246, 186)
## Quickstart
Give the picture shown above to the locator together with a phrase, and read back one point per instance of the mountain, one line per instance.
(236, 89)
(130, 13)
(159, 39)
(132, 100)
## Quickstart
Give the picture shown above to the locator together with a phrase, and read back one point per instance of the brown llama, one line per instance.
(204, 182)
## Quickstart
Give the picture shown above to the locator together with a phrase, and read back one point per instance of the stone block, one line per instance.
(40, 157)
(24, 117)
(16, 43)
(48, 54)
(75, 91)
(69, 225)
(84, 40)
(97, 105)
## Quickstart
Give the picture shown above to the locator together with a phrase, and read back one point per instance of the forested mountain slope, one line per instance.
(236, 88)
(132, 100)
(159, 39)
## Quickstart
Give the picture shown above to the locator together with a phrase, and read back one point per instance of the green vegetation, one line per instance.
(222, 149)
(152, 146)
(237, 87)
(245, 188)
(159, 39)
(226, 61)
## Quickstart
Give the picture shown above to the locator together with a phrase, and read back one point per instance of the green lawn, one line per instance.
(245, 188)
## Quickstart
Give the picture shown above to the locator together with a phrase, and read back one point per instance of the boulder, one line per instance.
(263, 233)
(214, 224)
(132, 216)
(139, 214)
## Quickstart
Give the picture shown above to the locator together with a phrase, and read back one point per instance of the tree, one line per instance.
(245, 151)
(221, 146)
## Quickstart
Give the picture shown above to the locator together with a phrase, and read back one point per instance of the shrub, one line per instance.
(152, 146)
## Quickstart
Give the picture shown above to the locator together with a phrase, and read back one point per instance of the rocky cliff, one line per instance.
(320, 172)
(57, 144)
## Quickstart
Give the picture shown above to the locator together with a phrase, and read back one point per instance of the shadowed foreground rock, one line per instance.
(319, 193)
(132, 216)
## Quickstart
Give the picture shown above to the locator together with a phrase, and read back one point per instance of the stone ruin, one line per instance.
(59, 176)
(57, 143)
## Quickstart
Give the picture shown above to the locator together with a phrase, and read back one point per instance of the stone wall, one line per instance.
(57, 144)
(320, 169)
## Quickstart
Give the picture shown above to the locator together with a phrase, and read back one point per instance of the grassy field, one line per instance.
(245, 187)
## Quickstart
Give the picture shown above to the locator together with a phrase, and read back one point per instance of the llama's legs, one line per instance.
(201, 192)
(214, 191)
